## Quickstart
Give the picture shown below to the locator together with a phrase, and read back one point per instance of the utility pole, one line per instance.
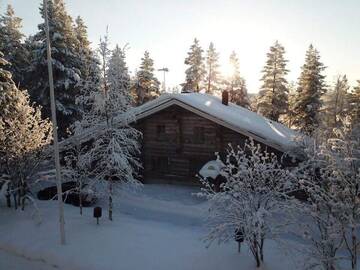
(164, 69)
(55, 135)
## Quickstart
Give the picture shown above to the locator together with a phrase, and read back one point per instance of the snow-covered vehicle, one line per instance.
(211, 172)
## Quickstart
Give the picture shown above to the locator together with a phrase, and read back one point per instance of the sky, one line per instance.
(166, 28)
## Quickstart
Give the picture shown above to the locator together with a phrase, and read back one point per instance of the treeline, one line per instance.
(77, 67)
(306, 106)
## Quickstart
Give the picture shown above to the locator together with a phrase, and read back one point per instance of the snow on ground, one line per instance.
(13, 261)
(159, 227)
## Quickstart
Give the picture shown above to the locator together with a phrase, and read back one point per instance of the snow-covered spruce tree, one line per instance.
(12, 46)
(104, 54)
(87, 56)
(236, 85)
(90, 66)
(195, 73)
(335, 104)
(23, 135)
(66, 66)
(273, 95)
(212, 75)
(114, 143)
(82, 45)
(288, 117)
(146, 85)
(311, 87)
(321, 226)
(354, 105)
(118, 73)
(255, 190)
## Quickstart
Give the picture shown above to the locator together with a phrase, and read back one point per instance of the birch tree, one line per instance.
(114, 149)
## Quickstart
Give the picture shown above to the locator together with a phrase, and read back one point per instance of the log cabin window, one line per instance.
(160, 133)
(199, 135)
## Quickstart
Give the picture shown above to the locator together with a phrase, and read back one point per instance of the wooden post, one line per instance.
(55, 135)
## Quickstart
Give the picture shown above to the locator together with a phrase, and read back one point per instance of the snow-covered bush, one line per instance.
(330, 176)
(345, 166)
(321, 228)
(253, 199)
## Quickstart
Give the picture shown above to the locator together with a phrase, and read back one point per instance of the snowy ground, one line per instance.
(160, 227)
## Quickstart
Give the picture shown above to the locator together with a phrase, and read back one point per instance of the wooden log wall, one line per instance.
(177, 154)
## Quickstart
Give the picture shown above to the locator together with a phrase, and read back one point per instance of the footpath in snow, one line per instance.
(160, 227)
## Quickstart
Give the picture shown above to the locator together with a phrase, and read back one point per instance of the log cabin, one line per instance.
(181, 132)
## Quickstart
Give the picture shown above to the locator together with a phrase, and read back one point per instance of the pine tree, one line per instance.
(89, 67)
(23, 134)
(335, 104)
(147, 86)
(66, 66)
(11, 45)
(273, 95)
(194, 74)
(311, 88)
(104, 53)
(354, 105)
(288, 118)
(212, 77)
(236, 84)
(82, 47)
(118, 73)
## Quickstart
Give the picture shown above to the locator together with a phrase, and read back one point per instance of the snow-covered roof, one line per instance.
(231, 116)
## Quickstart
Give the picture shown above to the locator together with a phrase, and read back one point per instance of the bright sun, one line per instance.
(226, 70)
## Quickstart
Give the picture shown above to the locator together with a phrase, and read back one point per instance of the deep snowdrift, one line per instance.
(160, 227)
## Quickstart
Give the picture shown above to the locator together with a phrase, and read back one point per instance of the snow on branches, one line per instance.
(23, 137)
(113, 146)
(330, 177)
(255, 191)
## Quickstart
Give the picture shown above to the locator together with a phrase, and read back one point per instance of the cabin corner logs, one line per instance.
(176, 143)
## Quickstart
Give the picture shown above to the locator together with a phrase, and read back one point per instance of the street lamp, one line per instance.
(164, 69)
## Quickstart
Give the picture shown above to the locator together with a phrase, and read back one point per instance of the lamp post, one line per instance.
(164, 69)
(55, 135)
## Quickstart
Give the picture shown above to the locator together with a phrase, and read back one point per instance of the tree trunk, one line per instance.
(80, 198)
(262, 250)
(8, 195)
(15, 200)
(23, 195)
(110, 201)
(354, 251)
(256, 252)
(18, 197)
(257, 258)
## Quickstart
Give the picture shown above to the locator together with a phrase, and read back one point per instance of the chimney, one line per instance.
(225, 97)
